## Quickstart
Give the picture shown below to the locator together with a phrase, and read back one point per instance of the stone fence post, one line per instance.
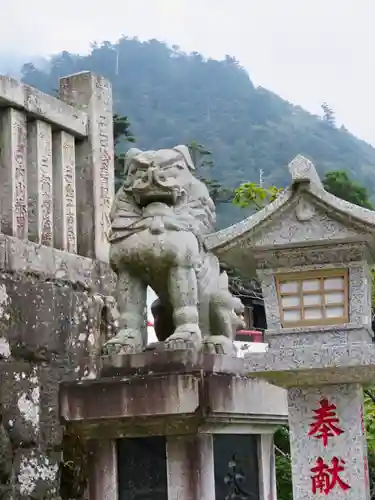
(94, 161)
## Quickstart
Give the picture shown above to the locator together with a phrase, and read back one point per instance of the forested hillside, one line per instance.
(171, 97)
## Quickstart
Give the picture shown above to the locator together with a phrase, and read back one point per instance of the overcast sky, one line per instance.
(308, 51)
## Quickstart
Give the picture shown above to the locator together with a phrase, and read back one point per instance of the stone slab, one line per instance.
(344, 445)
(64, 192)
(13, 178)
(129, 398)
(169, 404)
(315, 365)
(102, 469)
(190, 466)
(95, 161)
(28, 257)
(40, 185)
(43, 106)
(225, 396)
(333, 335)
(178, 361)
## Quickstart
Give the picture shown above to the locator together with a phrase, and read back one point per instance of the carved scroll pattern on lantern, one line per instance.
(19, 152)
(326, 473)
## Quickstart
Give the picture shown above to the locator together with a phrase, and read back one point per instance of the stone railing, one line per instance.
(56, 164)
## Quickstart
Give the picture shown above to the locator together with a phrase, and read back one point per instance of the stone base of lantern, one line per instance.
(315, 364)
(325, 401)
(178, 425)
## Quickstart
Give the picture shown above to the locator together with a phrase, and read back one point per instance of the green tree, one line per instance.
(336, 182)
(252, 194)
(341, 185)
(203, 162)
(328, 114)
(283, 464)
(121, 134)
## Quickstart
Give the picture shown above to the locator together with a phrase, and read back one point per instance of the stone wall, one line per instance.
(45, 330)
(56, 187)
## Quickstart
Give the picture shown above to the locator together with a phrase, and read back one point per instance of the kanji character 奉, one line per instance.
(325, 422)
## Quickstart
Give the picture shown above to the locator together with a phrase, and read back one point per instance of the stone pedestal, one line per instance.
(176, 426)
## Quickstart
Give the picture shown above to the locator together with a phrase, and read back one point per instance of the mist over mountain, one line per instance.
(172, 97)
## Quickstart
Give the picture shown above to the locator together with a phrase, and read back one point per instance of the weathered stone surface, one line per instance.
(178, 361)
(49, 264)
(20, 402)
(6, 458)
(40, 105)
(40, 188)
(37, 474)
(51, 431)
(151, 396)
(45, 293)
(195, 397)
(346, 442)
(95, 161)
(13, 178)
(42, 318)
(29, 403)
(190, 461)
(263, 401)
(315, 364)
(64, 189)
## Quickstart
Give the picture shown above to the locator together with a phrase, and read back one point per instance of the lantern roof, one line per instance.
(304, 214)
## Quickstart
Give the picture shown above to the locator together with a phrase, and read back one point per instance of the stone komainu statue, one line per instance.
(159, 219)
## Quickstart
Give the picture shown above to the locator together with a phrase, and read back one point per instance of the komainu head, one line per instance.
(162, 176)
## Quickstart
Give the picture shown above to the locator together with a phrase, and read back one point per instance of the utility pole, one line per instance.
(261, 178)
(117, 60)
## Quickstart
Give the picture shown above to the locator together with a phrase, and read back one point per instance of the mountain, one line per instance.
(172, 97)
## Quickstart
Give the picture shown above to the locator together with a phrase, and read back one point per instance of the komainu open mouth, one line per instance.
(157, 196)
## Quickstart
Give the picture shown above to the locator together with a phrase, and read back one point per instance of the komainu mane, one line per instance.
(159, 219)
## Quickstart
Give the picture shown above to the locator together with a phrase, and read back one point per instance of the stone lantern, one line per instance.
(312, 253)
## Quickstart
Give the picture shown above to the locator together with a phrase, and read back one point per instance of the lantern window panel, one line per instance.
(313, 297)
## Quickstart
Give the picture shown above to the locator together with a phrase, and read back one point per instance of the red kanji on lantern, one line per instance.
(365, 467)
(326, 478)
(325, 422)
